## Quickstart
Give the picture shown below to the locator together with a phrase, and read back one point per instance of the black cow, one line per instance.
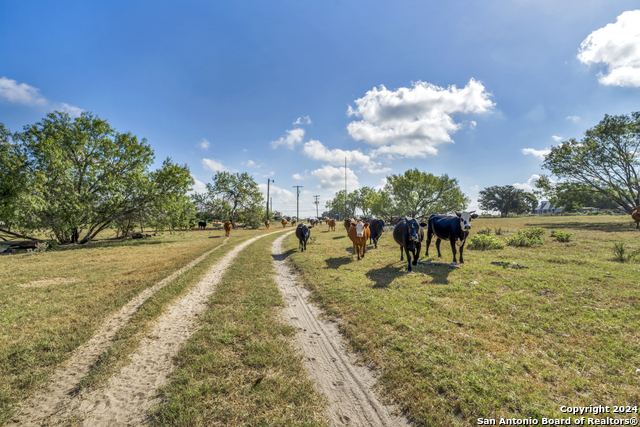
(409, 235)
(302, 233)
(455, 229)
(376, 227)
(202, 224)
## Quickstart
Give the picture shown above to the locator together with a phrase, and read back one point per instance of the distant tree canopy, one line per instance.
(75, 178)
(606, 162)
(573, 196)
(505, 199)
(414, 193)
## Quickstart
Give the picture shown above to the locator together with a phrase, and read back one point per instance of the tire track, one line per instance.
(347, 386)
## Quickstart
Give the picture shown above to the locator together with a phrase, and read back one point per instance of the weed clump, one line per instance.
(485, 242)
(561, 236)
(621, 254)
(527, 237)
(498, 231)
(484, 231)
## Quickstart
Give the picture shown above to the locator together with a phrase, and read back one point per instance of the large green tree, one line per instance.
(237, 193)
(605, 162)
(504, 199)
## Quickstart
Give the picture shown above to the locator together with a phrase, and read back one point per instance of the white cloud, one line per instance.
(214, 165)
(314, 149)
(536, 153)
(198, 186)
(410, 122)
(294, 137)
(22, 93)
(529, 185)
(475, 188)
(204, 144)
(70, 109)
(303, 120)
(268, 174)
(557, 138)
(298, 177)
(244, 149)
(251, 164)
(473, 124)
(372, 169)
(618, 47)
(383, 183)
(573, 118)
(332, 178)
(279, 194)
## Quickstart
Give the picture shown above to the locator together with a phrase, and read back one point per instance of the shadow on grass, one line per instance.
(607, 227)
(339, 237)
(282, 257)
(114, 244)
(382, 277)
(337, 262)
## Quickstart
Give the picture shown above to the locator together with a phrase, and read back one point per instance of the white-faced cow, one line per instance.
(302, 233)
(359, 234)
(409, 235)
(455, 229)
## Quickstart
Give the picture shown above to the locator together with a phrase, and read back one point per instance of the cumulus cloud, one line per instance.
(536, 153)
(215, 166)
(280, 194)
(251, 164)
(204, 144)
(530, 184)
(304, 120)
(473, 124)
(332, 178)
(298, 177)
(557, 138)
(22, 93)
(314, 149)
(573, 118)
(292, 138)
(618, 47)
(198, 186)
(411, 122)
(475, 188)
(383, 183)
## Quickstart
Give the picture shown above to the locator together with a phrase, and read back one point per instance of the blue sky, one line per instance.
(287, 89)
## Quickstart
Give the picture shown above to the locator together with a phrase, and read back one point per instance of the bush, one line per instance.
(485, 231)
(498, 231)
(485, 242)
(621, 254)
(561, 236)
(527, 237)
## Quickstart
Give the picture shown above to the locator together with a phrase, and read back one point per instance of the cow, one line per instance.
(284, 223)
(293, 221)
(347, 223)
(409, 234)
(455, 229)
(227, 228)
(320, 220)
(332, 224)
(636, 215)
(359, 234)
(394, 220)
(376, 226)
(302, 233)
(202, 225)
(267, 223)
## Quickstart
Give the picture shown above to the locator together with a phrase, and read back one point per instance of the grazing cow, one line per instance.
(455, 229)
(409, 235)
(359, 234)
(202, 225)
(267, 223)
(636, 216)
(227, 228)
(302, 233)
(332, 224)
(377, 227)
(284, 223)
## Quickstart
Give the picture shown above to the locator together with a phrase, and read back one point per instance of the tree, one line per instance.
(170, 205)
(13, 179)
(417, 194)
(573, 196)
(504, 199)
(337, 205)
(234, 193)
(605, 162)
(531, 200)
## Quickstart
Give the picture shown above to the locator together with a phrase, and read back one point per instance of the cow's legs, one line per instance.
(453, 249)
(416, 253)
(438, 247)
(408, 258)
(401, 253)
(364, 248)
(461, 249)
(375, 243)
(429, 236)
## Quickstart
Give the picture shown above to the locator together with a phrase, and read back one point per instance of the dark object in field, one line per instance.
(377, 227)
(636, 216)
(409, 235)
(302, 233)
(202, 225)
(139, 235)
(439, 263)
(455, 229)
(359, 234)
(22, 244)
(506, 264)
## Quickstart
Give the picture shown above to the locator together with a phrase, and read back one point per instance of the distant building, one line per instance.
(546, 208)
(588, 209)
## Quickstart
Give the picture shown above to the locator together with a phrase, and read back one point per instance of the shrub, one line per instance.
(621, 254)
(312, 239)
(498, 231)
(561, 236)
(485, 231)
(527, 237)
(485, 242)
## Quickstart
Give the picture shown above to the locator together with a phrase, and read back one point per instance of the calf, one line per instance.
(359, 234)
(636, 216)
(202, 225)
(302, 233)
(455, 229)
(284, 223)
(377, 227)
(267, 223)
(227, 228)
(409, 234)
(332, 224)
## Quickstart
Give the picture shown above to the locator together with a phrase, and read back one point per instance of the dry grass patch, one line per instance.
(50, 281)
(454, 345)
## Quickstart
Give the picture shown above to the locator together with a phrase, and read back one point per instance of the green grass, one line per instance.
(241, 368)
(454, 345)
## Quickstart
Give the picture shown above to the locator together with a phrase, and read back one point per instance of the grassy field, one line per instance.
(454, 345)
(241, 367)
(52, 302)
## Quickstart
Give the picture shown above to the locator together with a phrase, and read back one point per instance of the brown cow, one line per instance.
(347, 224)
(636, 216)
(359, 234)
(332, 224)
(267, 223)
(227, 228)
(284, 223)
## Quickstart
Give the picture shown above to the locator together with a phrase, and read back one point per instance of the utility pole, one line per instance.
(268, 181)
(317, 202)
(298, 187)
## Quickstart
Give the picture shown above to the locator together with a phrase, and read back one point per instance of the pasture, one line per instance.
(454, 345)
(53, 302)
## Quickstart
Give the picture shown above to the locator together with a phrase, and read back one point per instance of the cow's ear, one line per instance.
(459, 214)
(423, 224)
(474, 216)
